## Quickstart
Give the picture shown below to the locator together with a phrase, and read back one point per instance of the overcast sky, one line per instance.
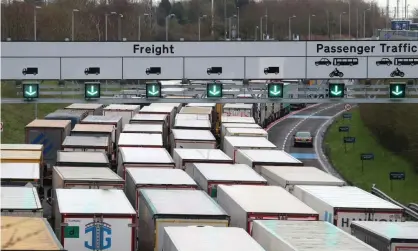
(392, 4)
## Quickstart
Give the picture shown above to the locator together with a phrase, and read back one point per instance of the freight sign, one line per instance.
(348, 59)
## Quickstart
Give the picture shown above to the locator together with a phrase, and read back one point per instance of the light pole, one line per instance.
(230, 26)
(139, 26)
(106, 17)
(364, 23)
(255, 33)
(225, 21)
(290, 26)
(34, 22)
(238, 22)
(261, 26)
(199, 21)
(309, 25)
(341, 15)
(167, 18)
(120, 27)
(72, 23)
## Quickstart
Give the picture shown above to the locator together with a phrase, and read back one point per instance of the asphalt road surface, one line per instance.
(311, 120)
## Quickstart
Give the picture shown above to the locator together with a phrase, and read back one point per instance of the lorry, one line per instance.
(87, 144)
(176, 106)
(33, 233)
(125, 111)
(185, 157)
(20, 201)
(190, 116)
(22, 147)
(209, 238)
(258, 158)
(189, 124)
(237, 119)
(246, 132)
(94, 219)
(141, 157)
(387, 236)
(246, 203)
(153, 119)
(231, 145)
(289, 176)
(20, 174)
(277, 235)
(209, 111)
(147, 128)
(149, 140)
(210, 176)
(114, 120)
(170, 111)
(15, 160)
(75, 116)
(91, 108)
(156, 178)
(238, 110)
(87, 159)
(192, 139)
(224, 126)
(341, 205)
(160, 208)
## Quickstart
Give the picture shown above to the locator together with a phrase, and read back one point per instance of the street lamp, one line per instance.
(290, 26)
(230, 26)
(309, 25)
(106, 15)
(199, 21)
(341, 14)
(72, 23)
(139, 25)
(120, 27)
(34, 22)
(364, 22)
(261, 26)
(167, 18)
(255, 33)
(238, 22)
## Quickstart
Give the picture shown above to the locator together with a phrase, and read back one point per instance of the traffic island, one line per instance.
(363, 162)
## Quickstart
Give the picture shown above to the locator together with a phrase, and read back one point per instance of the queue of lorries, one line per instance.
(162, 178)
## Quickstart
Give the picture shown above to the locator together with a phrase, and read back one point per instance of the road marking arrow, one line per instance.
(397, 92)
(275, 91)
(336, 92)
(214, 91)
(153, 91)
(92, 92)
(30, 91)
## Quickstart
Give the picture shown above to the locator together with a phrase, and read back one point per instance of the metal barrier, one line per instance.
(413, 206)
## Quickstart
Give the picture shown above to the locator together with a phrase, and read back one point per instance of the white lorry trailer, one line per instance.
(91, 108)
(258, 158)
(149, 140)
(114, 120)
(185, 157)
(237, 119)
(187, 116)
(94, 219)
(149, 129)
(231, 144)
(208, 238)
(159, 178)
(89, 159)
(239, 110)
(289, 176)
(192, 139)
(199, 110)
(276, 235)
(143, 157)
(341, 205)
(180, 207)
(20, 201)
(246, 132)
(166, 110)
(209, 176)
(192, 124)
(224, 126)
(87, 144)
(387, 236)
(246, 203)
(20, 174)
(125, 111)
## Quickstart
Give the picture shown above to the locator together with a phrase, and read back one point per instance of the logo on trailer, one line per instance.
(100, 235)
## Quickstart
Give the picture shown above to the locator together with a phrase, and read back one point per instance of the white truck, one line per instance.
(94, 219)
(91, 108)
(387, 236)
(208, 238)
(277, 235)
(163, 208)
(87, 159)
(239, 110)
(289, 176)
(166, 110)
(192, 139)
(341, 205)
(190, 116)
(114, 120)
(246, 203)
(231, 145)
(209, 176)
(20, 201)
(87, 144)
(150, 140)
(224, 126)
(209, 111)
(258, 158)
(185, 157)
(20, 174)
(246, 132)
(158, 178)
(125, 111)
(176, 106)
(195, 124)
(147, 128)
(143, 157)
(237, 119)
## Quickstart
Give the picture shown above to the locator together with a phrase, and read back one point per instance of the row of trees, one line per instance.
(54, 19)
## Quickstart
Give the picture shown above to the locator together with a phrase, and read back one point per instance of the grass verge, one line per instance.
(375, 171)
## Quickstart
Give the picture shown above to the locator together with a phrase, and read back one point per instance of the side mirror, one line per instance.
(294, 134)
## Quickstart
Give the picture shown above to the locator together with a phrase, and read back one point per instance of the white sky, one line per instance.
(392, 4)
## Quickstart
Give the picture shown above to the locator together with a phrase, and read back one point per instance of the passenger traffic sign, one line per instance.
(336, 90)
(214, 90)
(397, 90)
(275, 90)
(153, 90)
(91, 90)
(30, 91)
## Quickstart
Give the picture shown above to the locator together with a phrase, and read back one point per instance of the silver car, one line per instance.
(303, 139)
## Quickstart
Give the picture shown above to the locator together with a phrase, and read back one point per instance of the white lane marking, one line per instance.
(271, 125)
(303, 120)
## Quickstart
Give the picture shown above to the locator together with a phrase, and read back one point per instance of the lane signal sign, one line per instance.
(30, 91)
(397, 90)
(336, 90)
(153, 90)
(275, 90)
(91, 90)
(214, 90)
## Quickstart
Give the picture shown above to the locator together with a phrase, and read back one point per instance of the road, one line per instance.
(310, 119)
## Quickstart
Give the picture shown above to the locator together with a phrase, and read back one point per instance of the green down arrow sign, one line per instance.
(214, 90)
(336, 90)
(30, 91)
(153, 90)
(397, 91)
(275, 90)
(92, 91)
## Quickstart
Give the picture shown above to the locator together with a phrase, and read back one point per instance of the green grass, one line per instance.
(375, 171)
